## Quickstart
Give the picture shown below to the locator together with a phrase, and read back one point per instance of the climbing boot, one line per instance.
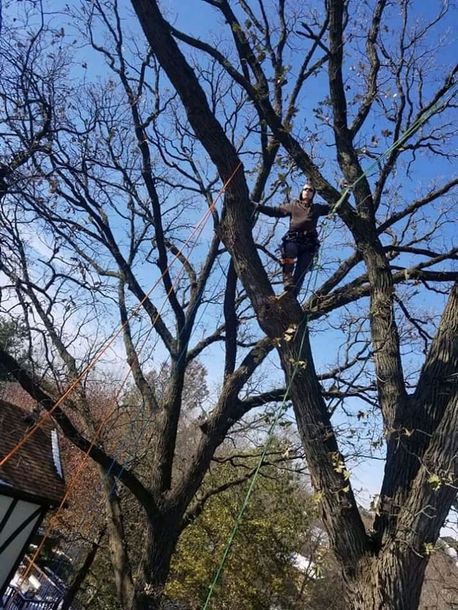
(288, 281)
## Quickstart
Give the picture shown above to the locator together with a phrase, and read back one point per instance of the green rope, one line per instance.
(250, 490)
(282, 408)
(405, 136)
(238, 521)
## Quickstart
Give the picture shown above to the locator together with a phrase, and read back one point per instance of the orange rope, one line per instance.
(85, 458)
(76, 477)
(91, 364)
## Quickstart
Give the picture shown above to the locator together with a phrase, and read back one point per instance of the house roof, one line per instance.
(32, 472)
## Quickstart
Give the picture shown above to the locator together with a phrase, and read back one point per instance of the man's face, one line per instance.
(307, 193)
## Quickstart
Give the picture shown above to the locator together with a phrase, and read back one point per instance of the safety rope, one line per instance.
(197, 229)
(399, 142)
(77, 475)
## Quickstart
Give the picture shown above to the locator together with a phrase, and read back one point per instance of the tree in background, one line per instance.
(278, 527)
(280, 92)
(13, 337)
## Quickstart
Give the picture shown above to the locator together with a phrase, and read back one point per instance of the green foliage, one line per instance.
(261, 571)
(99, 589)
(435, 481)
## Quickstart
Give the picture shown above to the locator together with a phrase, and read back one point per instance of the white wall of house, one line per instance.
(22, 511)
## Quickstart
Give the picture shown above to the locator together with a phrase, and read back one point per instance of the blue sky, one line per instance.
(199, 18)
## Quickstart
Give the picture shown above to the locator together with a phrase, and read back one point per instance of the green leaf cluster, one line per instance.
(261, 571)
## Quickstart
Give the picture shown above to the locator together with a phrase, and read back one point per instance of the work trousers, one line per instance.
(302, 250)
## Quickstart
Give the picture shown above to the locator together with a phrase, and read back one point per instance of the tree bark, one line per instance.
(160, 541)
(391, 581)
(117, 542)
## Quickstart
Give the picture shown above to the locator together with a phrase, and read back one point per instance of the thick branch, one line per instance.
(371, 92)
(436, 388)
(346, 154)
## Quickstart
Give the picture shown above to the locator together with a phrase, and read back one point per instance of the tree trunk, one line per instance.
(117, 542)
(160, 543)
(82, 573)
(391, 581)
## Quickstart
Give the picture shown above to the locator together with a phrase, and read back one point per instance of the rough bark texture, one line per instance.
(117, 542)
(391, 581)
(159, 545)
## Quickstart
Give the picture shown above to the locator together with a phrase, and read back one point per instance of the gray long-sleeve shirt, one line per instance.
(303, 216)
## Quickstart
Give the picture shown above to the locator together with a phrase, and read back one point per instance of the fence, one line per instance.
(15, 600)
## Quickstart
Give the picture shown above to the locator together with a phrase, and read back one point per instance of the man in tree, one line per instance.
(300, 244)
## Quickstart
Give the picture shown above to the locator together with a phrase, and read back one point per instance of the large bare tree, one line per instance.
(185, 116)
